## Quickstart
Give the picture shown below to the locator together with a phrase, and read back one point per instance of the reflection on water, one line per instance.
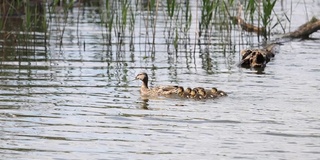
(75, 97)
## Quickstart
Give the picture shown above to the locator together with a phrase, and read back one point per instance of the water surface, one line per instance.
(80, 100)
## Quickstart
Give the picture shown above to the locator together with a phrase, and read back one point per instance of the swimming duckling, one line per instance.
(182, 93)
(196, 95)
(193, 94)
(187, 92)
(213, 93)
(222, 93)
(156, 91)
(219, 92)
(202, 94)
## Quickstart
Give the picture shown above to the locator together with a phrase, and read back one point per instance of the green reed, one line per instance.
(171, 5)
(119, 17)
(264, 15)
(19, 22)
(124, 13)
(132, 22)
(107, 18)
(188, 16)
(268, 6)
(251, 8)
(208, 9)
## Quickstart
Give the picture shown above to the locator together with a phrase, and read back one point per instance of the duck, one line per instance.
(156, 91)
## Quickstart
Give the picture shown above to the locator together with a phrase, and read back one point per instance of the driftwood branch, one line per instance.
(305, 30)
(247, 26)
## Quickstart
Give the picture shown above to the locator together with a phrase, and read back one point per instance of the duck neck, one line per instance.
(144, 85)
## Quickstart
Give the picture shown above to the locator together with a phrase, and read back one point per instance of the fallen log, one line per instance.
(247, 26)
(305, 30)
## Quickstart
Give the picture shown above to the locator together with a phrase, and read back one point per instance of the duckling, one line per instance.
(196, 95)
(193, 94)
(187, 92)
(156, 91)
(202, 94)
(222, 93)
(182, 93)
(214, 93)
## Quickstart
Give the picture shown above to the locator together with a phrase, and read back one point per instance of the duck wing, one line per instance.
(165, 90)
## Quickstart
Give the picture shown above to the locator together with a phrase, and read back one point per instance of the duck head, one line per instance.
(143, 77)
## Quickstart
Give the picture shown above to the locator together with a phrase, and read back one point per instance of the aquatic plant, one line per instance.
(268, 6)
(188, 16)
(171, 5)
(119, 20)
(208, 8)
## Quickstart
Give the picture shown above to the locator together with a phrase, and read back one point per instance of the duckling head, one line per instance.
(188, 90)
(214, 90)
(180, 90)
(193, 93)
(202, 93)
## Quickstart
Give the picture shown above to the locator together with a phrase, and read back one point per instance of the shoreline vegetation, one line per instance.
(186, 22)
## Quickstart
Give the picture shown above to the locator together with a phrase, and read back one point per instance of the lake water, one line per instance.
(80, 100)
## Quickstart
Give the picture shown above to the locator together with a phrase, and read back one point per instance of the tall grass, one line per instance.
(18, 26)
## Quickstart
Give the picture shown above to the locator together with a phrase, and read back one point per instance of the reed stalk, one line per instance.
(268, 6)
(124, 13)
(132, 22)
(188, 16)
(207, 11)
